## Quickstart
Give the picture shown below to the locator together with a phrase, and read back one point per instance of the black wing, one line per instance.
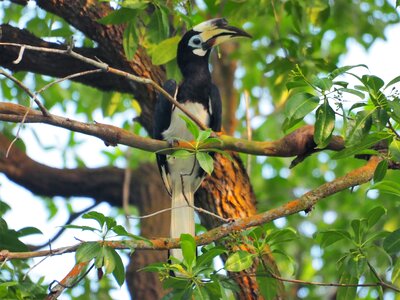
(215, 109)
(161, 122)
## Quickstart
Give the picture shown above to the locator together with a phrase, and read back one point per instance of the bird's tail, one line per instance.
(182, 217)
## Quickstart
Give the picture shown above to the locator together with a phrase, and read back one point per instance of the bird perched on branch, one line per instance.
(198, 95)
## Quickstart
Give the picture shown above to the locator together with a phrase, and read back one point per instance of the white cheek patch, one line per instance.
(199, 52)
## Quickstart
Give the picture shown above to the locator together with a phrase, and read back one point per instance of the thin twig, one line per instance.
(126, 187)
(316, 283)
(26, 90)
(107, 68)
(248, 127)
(156, 213)
(67, 78)
(199, 209)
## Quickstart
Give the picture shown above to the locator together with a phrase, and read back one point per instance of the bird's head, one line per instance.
(197, 43)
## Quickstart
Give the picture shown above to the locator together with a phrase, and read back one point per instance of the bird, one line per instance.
(200, 96)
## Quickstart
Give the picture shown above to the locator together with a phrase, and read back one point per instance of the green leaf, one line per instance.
(396, 270)
(206, 162)
(110, 223)
(360, 128)
(28, 231)
(239, 261)
(109, 259)
(130, 40)
(165, 51)
(182, 153)
(395, 107)
(381, 170)
(392, 242)
(299, 105)
(120, 16)
(158, 28)
(134, 4)
(375, 214)
(83, 228)
(191, 126)
(365, 144)
(87, 251)
(347, 293)
(355, 92)
(295, 84)
(324, 125)
(324, 83)
(393, 81)
(281, 236)
(94, 215)
(208, 256)
(204, 135)
(268, 286)
(119, 270)
(335, 73)
(372, 82)
(359, 228)
(188, 246)
(9, 241)
(330, 237)
(388, 187)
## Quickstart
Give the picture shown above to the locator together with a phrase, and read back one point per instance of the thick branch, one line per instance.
(298, 142)
(304, 203)
(54, 64)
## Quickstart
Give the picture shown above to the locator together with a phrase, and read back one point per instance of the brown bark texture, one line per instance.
(228, 192)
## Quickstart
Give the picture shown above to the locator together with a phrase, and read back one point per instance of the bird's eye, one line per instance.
(195, 41)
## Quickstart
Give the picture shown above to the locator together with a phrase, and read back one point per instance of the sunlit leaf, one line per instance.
(239, 261)
(206, 162)
(339, 71)
(393, 81)
(324, 83)
(119, 16)
(188, 246)
(94, 215)
(359, 94)
(87, 251)
(360, 128)
(191, 126)
(130, 40)
(324, 125)
(330, 237)
(366, 143)
(165, 51)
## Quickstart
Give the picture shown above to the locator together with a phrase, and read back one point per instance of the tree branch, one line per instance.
(298, 142)
(304, 203)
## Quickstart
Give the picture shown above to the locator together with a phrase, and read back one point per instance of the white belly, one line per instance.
(178, 129)
(184, 169)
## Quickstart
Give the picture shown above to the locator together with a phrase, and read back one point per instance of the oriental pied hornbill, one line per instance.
(198, 95)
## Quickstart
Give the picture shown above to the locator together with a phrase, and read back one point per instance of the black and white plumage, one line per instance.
(199, 96)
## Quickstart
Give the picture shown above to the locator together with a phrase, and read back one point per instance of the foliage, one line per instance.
(291, 71)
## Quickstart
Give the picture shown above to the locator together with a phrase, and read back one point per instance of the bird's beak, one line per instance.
(216, 31)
